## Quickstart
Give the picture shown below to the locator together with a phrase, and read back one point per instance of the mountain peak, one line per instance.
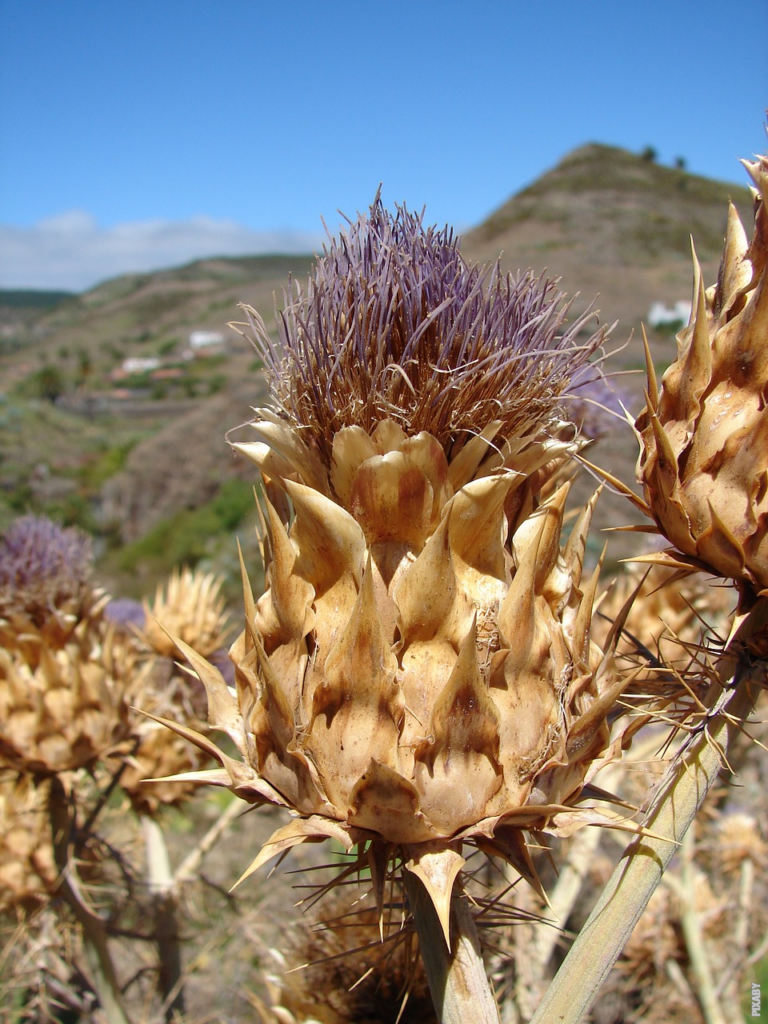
(611, 221)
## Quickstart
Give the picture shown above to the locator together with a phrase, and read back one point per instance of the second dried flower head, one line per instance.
(704, 431)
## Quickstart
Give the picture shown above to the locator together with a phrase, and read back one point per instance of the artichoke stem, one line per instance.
(695, 942)
(457, 978)
(639, 871)
(94, 934)
(162, 891)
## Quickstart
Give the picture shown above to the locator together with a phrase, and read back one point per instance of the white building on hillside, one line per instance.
(206, 341)
(660, 314)
(140, 364)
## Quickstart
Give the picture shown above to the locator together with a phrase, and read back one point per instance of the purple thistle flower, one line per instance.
(126, 613)
(42, 565)
(394, 323)
(593, 404)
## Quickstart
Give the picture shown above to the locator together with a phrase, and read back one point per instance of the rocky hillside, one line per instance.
(614, 225)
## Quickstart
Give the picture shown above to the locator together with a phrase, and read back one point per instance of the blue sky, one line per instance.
(144, 133)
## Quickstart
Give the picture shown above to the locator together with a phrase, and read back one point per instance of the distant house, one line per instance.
(206, 342)
(140, 364)
(661, 315)
(168, 373)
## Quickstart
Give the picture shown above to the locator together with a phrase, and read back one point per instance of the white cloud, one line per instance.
(72, 252)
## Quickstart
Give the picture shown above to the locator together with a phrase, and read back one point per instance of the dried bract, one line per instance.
(27, 868)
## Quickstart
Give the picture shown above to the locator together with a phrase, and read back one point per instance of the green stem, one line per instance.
(162, 892)
(94, 934)
(457, 979)
(693, 934)
(639, 871)
(189, 867)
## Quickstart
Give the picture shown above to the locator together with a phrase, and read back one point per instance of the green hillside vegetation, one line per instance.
(63, 433)
(145, 315)
(32, 298)
(55, 463)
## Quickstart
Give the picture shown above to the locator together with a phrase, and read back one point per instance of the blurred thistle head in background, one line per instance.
(62, 693)
(48, 598)
(43, 566)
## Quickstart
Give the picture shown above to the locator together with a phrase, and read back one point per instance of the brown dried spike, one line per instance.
(242, 779)
(437, 867)
(696, 367)
(270, 463)
(716, 545)
(652, 393)
(279, 436)
(697, 283)
(378, 855)
(509, 844)
(429, 600)
(517, 619)
(301, 830)
(222, 705)
(734, 275)
(331, 544)
(583, 619)
(243, 644)
(278, 715)
(461, 752)
(576, 545)
(586, 729)
(271, 730)
(665, 463)
(548, 544)
(753, 334)
(357, 708)
(758, 247)
(284, 612)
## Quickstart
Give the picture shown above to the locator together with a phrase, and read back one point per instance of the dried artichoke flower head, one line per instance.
(62, 690)
(46, 592)
(419, 671)
(189, 605)
(704, 456)
(332, 971)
